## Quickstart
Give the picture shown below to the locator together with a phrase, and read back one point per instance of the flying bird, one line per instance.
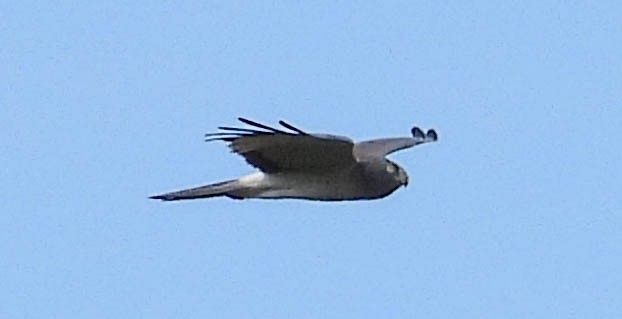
(295, 164)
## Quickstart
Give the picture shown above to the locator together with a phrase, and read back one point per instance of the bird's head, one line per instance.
(398, 173)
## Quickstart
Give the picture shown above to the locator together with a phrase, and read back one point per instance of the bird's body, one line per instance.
(305, 166)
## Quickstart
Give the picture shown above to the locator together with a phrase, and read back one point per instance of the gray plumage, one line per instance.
(297, 164)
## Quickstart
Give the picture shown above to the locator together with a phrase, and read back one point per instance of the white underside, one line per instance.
(262, 185)
(268, 185)
(258, 179)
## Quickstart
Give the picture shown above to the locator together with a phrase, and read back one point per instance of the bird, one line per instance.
(295, 164)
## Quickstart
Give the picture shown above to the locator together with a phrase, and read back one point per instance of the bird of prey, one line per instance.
(297, 164)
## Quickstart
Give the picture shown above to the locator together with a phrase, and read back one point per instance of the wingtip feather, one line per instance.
(432, 135)
(417, 132)
(259, 125)
(293, 128)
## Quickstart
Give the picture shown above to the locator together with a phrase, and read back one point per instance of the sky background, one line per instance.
(515, 213)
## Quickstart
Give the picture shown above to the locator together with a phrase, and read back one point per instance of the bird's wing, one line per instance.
(379, 148)
(274, 150)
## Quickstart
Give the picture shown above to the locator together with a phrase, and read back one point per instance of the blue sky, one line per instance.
(515, 213)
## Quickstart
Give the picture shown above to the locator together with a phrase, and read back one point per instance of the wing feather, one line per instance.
(259, 125)
(273, 150)
(382, 147)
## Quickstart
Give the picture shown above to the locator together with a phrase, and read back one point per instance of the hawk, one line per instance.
(295, 164)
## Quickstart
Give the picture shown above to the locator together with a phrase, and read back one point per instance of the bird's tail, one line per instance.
(212, 190)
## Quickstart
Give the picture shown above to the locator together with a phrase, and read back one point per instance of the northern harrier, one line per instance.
(297, 164)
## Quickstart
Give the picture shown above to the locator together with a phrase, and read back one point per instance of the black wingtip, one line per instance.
(224, 136)
(293, 128)
(432, 135)
(259, 125)
(417, 132)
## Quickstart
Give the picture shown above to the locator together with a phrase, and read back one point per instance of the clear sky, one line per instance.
(515, 213)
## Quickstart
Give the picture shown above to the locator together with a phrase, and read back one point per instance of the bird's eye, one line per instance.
(391, 168)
